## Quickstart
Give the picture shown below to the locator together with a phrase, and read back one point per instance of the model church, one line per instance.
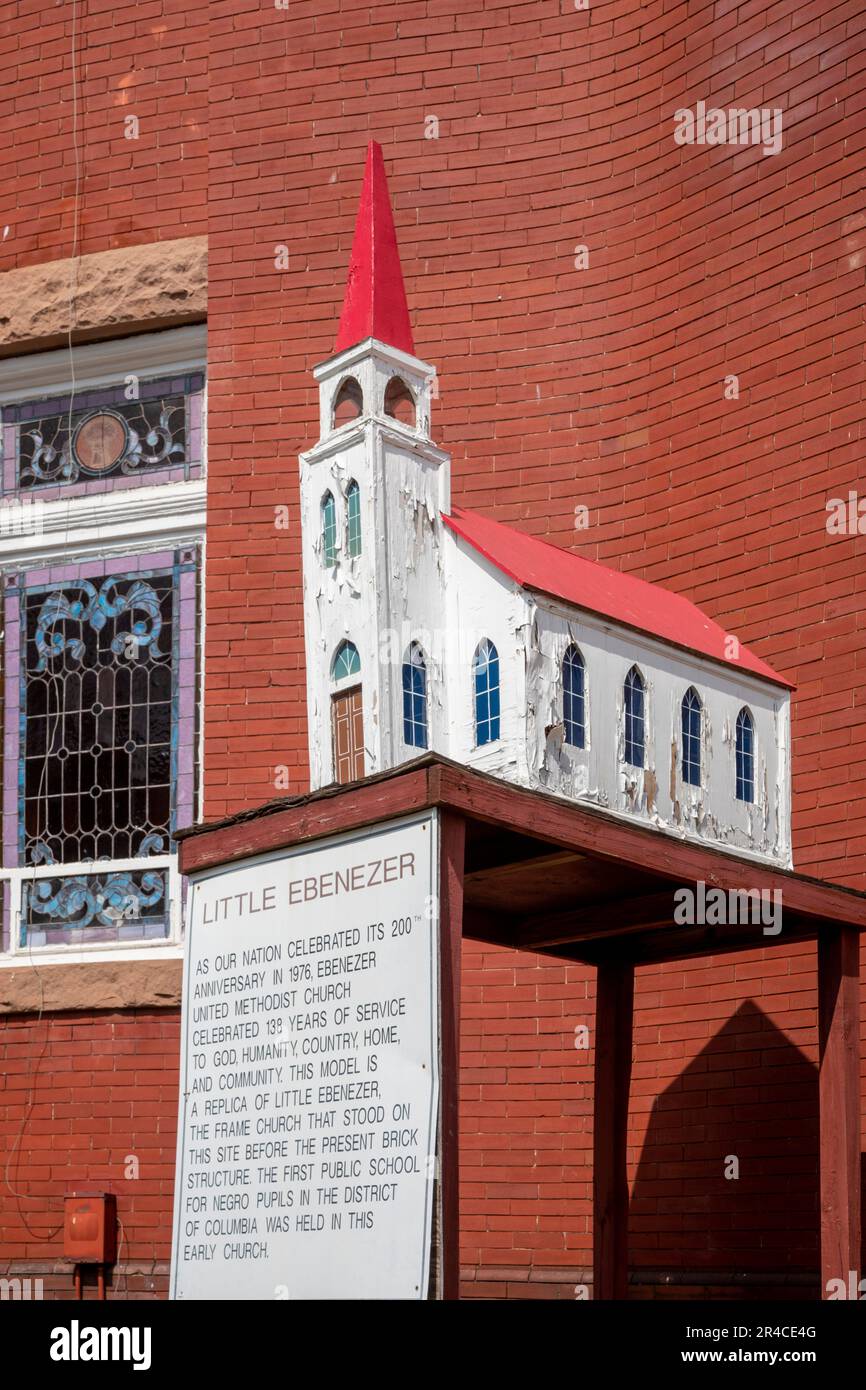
(429, 627)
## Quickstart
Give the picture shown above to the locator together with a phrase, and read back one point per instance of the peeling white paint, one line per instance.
(416, 581)
(709, 812)
(381, 598)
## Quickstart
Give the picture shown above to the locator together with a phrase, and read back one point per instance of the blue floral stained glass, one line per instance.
(415, 698)
(87, 907)
(486, 673)
(106, 733)
(64, 442)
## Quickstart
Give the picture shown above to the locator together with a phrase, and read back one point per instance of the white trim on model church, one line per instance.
(495, 649)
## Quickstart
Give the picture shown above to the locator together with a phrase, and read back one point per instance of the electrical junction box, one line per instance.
(90, 1227)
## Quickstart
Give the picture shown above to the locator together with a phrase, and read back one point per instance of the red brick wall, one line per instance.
(78, 1093)
(88, 1101)
(557, 386)
(146, 59)
(724, 1063)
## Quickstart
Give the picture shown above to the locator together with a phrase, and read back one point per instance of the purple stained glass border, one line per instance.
(12, 416)
(184, 562)
(95, 936)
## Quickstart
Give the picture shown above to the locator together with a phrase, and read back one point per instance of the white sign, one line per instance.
(309, 1072)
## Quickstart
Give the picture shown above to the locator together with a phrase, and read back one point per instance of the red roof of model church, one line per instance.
(375, 302)
(375, 307)
(536, 564)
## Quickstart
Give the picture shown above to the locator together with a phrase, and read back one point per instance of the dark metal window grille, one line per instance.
(97, 715)
(101, 672)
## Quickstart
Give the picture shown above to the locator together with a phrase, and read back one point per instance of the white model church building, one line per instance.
(431, 627)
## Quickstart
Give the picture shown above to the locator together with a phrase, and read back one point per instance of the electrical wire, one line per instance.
(14, 1153)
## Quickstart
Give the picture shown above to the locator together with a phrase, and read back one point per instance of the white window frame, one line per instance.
(122, 521)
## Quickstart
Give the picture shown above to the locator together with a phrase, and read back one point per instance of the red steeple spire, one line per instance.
(375, 302)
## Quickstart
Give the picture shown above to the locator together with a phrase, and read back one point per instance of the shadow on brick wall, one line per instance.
(726, 1190)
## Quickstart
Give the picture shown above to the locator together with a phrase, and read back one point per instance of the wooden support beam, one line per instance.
(516, 813)
(839, 1103)
(452, 845)
(594, 832)
(296, 820)
(600, 921)
(614, 1013)
(662, 946)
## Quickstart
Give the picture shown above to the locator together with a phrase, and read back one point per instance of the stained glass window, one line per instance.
(347, 662)
(745, 756)
(633, 697)
(485, 669)
(353, 511)
(573, 697)
(101, 438)
(100, 765)
(691, 712)
(415, 698)
(80, 908)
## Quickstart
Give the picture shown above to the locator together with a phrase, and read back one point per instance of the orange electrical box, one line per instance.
(90, 1228)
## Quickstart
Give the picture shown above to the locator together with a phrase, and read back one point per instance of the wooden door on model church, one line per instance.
(347, 725)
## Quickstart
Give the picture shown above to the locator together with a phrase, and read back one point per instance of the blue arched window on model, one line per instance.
(692, 711)
(353, 517)
(346, 661)
(329, 529)
(574, 697)
(745, 756)
(415, 698)
(485, 670)
(635, 719)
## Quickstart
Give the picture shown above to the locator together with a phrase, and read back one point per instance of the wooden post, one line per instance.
(452, 842)
(614, 1012)
(839, 1103)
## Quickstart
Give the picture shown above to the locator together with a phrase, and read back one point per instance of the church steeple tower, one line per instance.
(373, 491)
(374, 370)
(375, 302)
